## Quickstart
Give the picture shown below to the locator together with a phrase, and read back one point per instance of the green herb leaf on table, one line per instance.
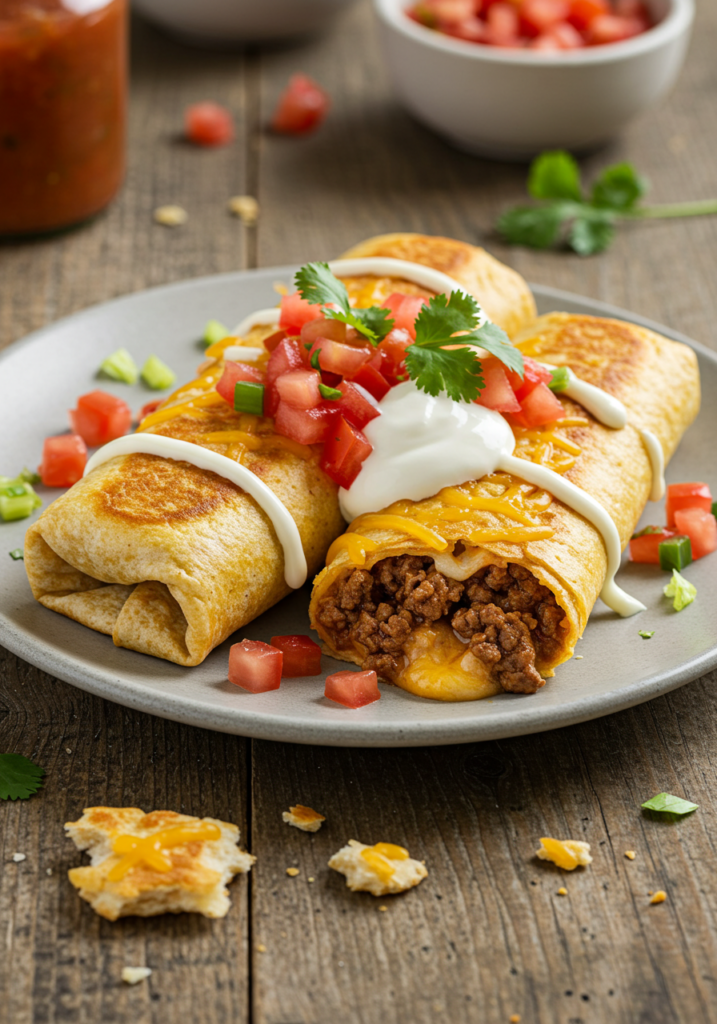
(665, 803)
(591, 232)
(646, 634)
(17, 554)
(680, 590)
(619, 187)
(19, 777)
(555, 175)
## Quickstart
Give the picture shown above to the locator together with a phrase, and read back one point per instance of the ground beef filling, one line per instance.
(505, 614)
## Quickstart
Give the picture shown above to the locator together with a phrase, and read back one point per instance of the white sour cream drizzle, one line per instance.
(657, 460)
(295, 568)
(421, 444)
(242, 353)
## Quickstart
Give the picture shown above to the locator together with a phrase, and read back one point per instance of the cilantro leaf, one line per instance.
(445, 315)
(455, 371)
(665, 803)
(318, 286)
(537, 227)
(591, 233)
(493, 339)
(619, 187)
(555, 175)
(17, 554)
(377, 320)
(19, 777)
(681, 590)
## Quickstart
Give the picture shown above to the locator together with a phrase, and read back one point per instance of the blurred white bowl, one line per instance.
(227, 22)
(511, 104)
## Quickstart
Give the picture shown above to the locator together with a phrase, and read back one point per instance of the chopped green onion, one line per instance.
(308, 345)
(647, 530)
(13, 490)
(16, 507)
(681, 590)
(315, 360)
(666, 803)
(29, 477)
(249, 397)
(120, 366)
(157, 375)
(214, 332)
(674, 553)
(331, 393)
(16, 554)
(646, 634)
(714, 508)
(560, 378)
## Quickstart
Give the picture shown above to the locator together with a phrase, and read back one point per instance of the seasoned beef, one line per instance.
(505, 613)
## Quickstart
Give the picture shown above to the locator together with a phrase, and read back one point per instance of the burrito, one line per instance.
(170, 554)
(486, 585)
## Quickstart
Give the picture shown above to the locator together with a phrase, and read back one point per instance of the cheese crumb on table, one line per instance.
(293, 872)
(170, 216)
(245, 207)
(157, 863)
(19, 857)
(260, 947)
(305, 818)
(133, 975)
(566, 853)
(562, 891)
(380, 869)
(515, 1019)
(630, 854)
(659, 897)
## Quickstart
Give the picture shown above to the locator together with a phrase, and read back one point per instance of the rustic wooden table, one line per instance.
(486, 936)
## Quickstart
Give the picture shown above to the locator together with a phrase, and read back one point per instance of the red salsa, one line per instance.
(63, 77)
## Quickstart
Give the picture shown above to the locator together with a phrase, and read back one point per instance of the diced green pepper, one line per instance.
(249, 397)
(19, 507)
(120, 366)
(214, 332)
(560, 378)
(675, 553)
(157, 375)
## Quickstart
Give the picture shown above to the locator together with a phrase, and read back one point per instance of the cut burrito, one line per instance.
(169, 556)
(487, 584)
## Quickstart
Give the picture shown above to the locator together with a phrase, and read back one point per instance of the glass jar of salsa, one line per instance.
(63, 85)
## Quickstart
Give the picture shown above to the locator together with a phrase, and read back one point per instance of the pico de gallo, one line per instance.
(690, 533)
(548, 26)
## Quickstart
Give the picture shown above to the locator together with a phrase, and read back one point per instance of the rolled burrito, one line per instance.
(169, 558)
(487, 585)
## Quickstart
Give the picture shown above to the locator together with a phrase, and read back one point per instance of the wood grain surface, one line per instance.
(486, 936)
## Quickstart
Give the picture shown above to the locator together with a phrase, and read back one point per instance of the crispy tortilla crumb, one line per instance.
(515, 1019)
(630, 854)
(245, 207)
(292, 872)
(562, 891)
(566, 853)
(383, 909)
(305, 818)
(659, 897)
(311, 878)
(133, 975)
(380, 869)
(650, 892)
(19, 857)
(260, 947)
(170, 216)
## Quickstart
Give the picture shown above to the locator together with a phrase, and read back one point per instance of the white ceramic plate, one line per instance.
(41, 377)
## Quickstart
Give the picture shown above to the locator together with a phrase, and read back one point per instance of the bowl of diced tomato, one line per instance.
(509, 78)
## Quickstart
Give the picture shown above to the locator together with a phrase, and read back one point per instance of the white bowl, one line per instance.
(511, 104)
(228, 22)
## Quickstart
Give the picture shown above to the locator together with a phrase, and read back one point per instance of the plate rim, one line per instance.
(261, 725)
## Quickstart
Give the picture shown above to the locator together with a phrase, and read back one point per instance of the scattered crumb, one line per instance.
(260, 947)
(341, 963)
(67, 750)
(292, 872)
(630, 854)
(562, 891)
(170, 216)
(49, 871)
(18, 857)
(305, 818)
(311, 878)
(649, 892)
(383, 909)
(566, 853)
(659, 897)
(380, 869)
(283, 935)
(515, 1019)
(133, 975)
(578, 657)
(245, 207)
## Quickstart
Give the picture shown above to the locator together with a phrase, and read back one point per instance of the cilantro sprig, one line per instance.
(318, 286)
(586, 223)
(19, 777)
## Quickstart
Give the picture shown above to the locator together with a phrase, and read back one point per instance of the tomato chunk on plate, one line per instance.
(344, 451)
(100, 417)
(295, 312)
(233, 373)
(700, 527)
(539, 407)
(690, 495)
(307, 426)
(63, 460)
(353, 406)
(302, 656)
(497, 393)
(302, 107)
(645, 546)
(255, 666)
(370, 378)
(352, 689)
(208, 124)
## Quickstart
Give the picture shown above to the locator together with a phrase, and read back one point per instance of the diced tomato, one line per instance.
(255, 666)
(302, 107)
(299, 388)
(691, 495)
(611, 28)
(322, 327)
(273, 340)
(583, 12)
(451, 11)
(295, 312)
(497, 393)
(208, 124)
(149, 408)
(537, 16)
(307, 426)
(353, 689)
(404, 310)
(100, 417)
(533, 374)
(373, 381)
(285, 357)
(502, 25)
(644, 547)
(562, 36)
(302, 656)
(233, 373)
(345, 449)
(700, 527)
(538, 408)
(393, 353)
(473, 30)
(63, 460)
(353, 406)
(341, 359)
